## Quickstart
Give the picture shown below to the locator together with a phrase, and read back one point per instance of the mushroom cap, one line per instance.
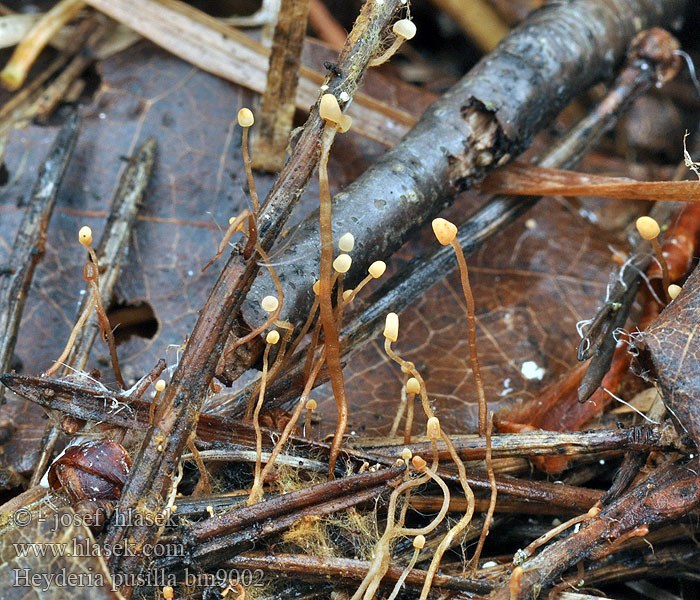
(433, 428)
(245, 117)
(445, 231)
(377, 268)
(329, 109)
(269, 304)
(391, 327)
(346, 242)
(412, 386)
(648, 228)
(345, 123)
(674, 290)
(272, 337)
(405, 29)
(85, 235)
(342, 263)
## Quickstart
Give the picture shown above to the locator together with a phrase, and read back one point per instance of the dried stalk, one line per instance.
(208, 44)
(15, 72)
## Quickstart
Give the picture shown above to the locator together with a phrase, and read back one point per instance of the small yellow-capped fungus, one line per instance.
(316, 287)
(346, 242)
(168, 592)
(444, 231)
(329, 109)
(245, 117)
(345, 123)
(419, 542)
(269, 304)
(160, 385)
(342, 263)
(406, 454)
(272, 337)
(347, 294)
(311, 404)
(412, 386)
(673, 291)
(405, 29)
(418, 463)
(391, 327)
(433, 428)
(85, 235)
(648, 228)
(377, 268)
(594, 511)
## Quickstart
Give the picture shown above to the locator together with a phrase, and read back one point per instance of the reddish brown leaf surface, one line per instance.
(669, 355)
(532, 284)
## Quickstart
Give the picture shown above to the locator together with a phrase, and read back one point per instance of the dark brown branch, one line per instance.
(30, 242)
(492, 113)
(115, 409)
(549, 443)
(669, 494)
(345, 569)
(651, 59)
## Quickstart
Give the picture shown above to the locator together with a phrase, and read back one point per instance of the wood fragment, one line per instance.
(348, 570)
(95, 405)
(667, 495)
(274, 122)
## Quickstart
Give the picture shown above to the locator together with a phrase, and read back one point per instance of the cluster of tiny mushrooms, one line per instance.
(280, 332)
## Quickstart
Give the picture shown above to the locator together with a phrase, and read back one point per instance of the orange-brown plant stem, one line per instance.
(249, 172)
(664, 267)
(256, 490)
(471, 328)
(330, 325)
(492, 501)
(92, 276)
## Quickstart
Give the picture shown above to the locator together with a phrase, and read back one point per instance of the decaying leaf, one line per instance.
(669, 355)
